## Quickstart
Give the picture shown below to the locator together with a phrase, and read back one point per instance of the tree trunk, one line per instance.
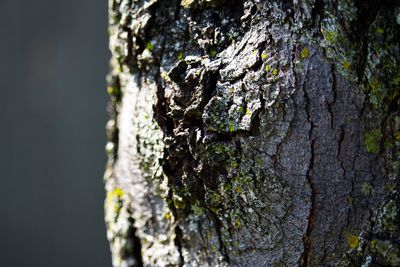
(254, 133)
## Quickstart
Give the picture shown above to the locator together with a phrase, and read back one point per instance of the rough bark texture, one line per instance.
(254, 133)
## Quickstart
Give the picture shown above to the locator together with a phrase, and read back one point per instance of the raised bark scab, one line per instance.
(253, 133)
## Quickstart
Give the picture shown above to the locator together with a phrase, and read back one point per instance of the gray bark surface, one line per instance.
(253, 133)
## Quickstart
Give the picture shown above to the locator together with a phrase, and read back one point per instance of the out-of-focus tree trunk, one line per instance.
(254, 133)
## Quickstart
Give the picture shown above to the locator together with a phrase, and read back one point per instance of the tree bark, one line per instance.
(254, 133)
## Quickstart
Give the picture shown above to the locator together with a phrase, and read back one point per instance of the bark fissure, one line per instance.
(136, 252)
(305, 259)
(317, 14)
(334, 93)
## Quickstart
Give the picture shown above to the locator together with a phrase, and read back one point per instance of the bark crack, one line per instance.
(305, 258)
(317, 14)
(366, 14)
(137, 245)
(311, 218)
(334, 88)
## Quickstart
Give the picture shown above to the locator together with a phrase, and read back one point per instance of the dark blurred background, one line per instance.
(53, 63)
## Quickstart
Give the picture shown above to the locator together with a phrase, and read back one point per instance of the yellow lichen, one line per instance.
(305, 53)
(353, 241)
(350, 199)
(113, 197)
(275, 72)
(264, 56)
(346, 65)
(168, 216)
(267, 68)
(111, 90)
(116, 193)
(397, 136)
(238, 223)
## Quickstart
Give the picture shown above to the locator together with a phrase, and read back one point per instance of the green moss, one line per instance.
(373, 245)
(372, 140)
(197, 209)
(180, 55)
(330, 37)
(366, 188)
(393, 259)
(232, 126)
(376, 93)
(219, 149)
(215, 199)
(388, 216)
(213, 52)
(220, 154)
(385, 252)
(380, 30)
(339, 47)
(378, 74)
(279, 264)
(234, 164)
(150, 46)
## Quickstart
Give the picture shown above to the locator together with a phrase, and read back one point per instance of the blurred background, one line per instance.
(53, 63)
